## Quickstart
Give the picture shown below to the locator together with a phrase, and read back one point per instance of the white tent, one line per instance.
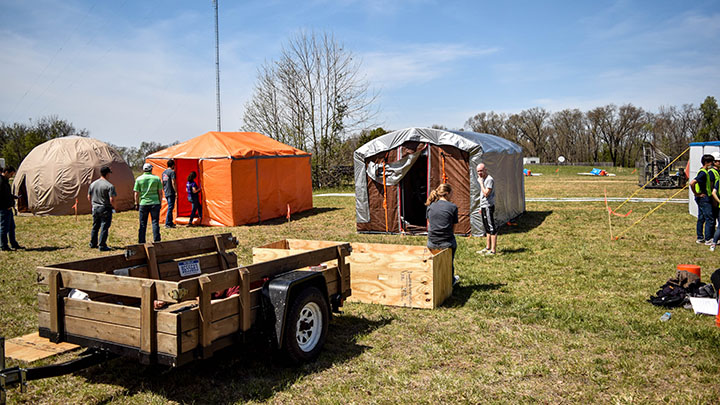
(395, 172)
(697, 150)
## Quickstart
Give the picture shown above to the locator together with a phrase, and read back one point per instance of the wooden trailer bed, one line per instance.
(120, 315)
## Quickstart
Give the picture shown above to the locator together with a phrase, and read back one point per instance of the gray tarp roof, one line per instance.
(502, 157)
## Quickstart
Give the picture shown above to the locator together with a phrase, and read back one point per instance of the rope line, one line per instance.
(650, 212)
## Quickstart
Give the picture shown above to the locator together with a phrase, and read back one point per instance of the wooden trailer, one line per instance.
(210, 300)
(399, 275)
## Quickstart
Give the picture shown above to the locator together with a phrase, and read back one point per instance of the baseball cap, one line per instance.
(147, 167)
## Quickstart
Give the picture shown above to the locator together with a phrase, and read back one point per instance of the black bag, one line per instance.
(669, 295)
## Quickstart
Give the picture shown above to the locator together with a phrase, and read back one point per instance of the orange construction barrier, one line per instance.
(690, 268)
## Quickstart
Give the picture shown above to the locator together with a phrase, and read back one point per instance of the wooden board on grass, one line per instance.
(32, 347)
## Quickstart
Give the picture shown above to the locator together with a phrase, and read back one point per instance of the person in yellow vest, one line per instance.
(715, 199)
(701, 186)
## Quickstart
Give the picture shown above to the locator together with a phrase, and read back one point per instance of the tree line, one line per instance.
(608, 133)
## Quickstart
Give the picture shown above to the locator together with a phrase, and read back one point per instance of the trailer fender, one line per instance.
(278, 295)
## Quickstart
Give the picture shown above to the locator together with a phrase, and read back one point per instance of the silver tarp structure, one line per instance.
(394, 173)
(54, 177)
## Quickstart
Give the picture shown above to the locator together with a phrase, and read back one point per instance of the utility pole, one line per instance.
(217, 65)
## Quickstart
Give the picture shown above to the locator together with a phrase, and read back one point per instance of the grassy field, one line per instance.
(559, 316)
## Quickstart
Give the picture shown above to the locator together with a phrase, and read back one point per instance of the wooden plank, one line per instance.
(170, 250)
(399, 288)
(32, 347)
(55, 309)
(220, 246)
(442, 276)
(95, 310)
(152, 261)
(102, 264)
(205, 313)
(147, 318)
(87, 328)
(245, 303)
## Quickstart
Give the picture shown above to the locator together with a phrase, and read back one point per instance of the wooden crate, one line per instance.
(399, 275)
(120, 315)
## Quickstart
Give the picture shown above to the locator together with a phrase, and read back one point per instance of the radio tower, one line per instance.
(217, 65)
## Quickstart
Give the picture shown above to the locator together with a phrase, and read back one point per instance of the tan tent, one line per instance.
(56, 174)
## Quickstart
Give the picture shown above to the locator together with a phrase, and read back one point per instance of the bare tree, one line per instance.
(311, 97)
(488, 123)
(622, 130)
(534, 131)
(570, 136)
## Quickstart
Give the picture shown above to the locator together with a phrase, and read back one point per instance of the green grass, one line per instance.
(560, 315)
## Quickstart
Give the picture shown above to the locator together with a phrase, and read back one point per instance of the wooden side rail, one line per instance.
(174, 249)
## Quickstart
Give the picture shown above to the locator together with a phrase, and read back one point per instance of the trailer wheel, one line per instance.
(306, 326)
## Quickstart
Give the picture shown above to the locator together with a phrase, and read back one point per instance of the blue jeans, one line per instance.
(196, 208)
(170, 207)
(705, 218)
(154, 211)
(7, 227)
(102, 218)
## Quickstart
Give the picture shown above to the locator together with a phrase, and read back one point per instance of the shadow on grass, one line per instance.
(46, 248)
(526, 222)
(511, 251)
(462, 293)
(240, 373)
(295, 216)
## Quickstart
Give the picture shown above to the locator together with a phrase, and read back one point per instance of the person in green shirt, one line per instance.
(147, 201)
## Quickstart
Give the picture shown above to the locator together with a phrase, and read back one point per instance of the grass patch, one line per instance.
(560, 315)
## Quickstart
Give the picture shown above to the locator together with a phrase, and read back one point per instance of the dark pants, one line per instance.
(196, 208)
(102, 218)
(170, 207)
(705, 218)
(154, 211)
(7, 228)
(488, 219)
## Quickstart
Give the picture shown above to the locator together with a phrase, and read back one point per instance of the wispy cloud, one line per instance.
(417, 63)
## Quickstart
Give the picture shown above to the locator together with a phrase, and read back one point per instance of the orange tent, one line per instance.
(244, 177)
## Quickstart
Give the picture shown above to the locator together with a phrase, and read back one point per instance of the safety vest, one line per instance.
(708, 185)
(716, 178)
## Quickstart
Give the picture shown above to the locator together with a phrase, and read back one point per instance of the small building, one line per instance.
(531, 161)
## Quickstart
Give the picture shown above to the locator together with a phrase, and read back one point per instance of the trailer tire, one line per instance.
(306, 326)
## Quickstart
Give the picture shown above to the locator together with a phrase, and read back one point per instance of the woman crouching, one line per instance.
(442, 215)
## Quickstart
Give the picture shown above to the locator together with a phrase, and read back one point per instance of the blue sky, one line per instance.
(132, 70)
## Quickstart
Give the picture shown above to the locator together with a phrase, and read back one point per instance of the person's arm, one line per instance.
(159, 190)
(715, 195)
(173, 183)
(136, 197)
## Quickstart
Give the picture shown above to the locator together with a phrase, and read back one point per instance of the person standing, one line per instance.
(193, 193)
(101, 195)
(147, 193)
(7, 205)
(170, 189)
(701, 186)
(442, 215)
(487, 209)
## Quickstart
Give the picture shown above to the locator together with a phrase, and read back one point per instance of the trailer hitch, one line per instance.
(12, 376)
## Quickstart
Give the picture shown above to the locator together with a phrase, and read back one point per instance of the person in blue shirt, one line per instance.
(193, 193)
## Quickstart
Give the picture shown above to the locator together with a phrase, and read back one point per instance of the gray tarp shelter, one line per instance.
(395, 172)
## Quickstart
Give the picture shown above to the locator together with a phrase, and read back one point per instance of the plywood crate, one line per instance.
(398, 275)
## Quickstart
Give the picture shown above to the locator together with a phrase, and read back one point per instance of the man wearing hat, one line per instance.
(101, 195)
(148, 193)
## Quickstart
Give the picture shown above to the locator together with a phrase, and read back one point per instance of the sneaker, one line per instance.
(700, 241)
(489, 253)
(712, 247)
(482, 252)
(104, 249)
(18, 246)
(170, 226)
(456, 279)
(93, 246)
(6, 249)
(708, 242)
